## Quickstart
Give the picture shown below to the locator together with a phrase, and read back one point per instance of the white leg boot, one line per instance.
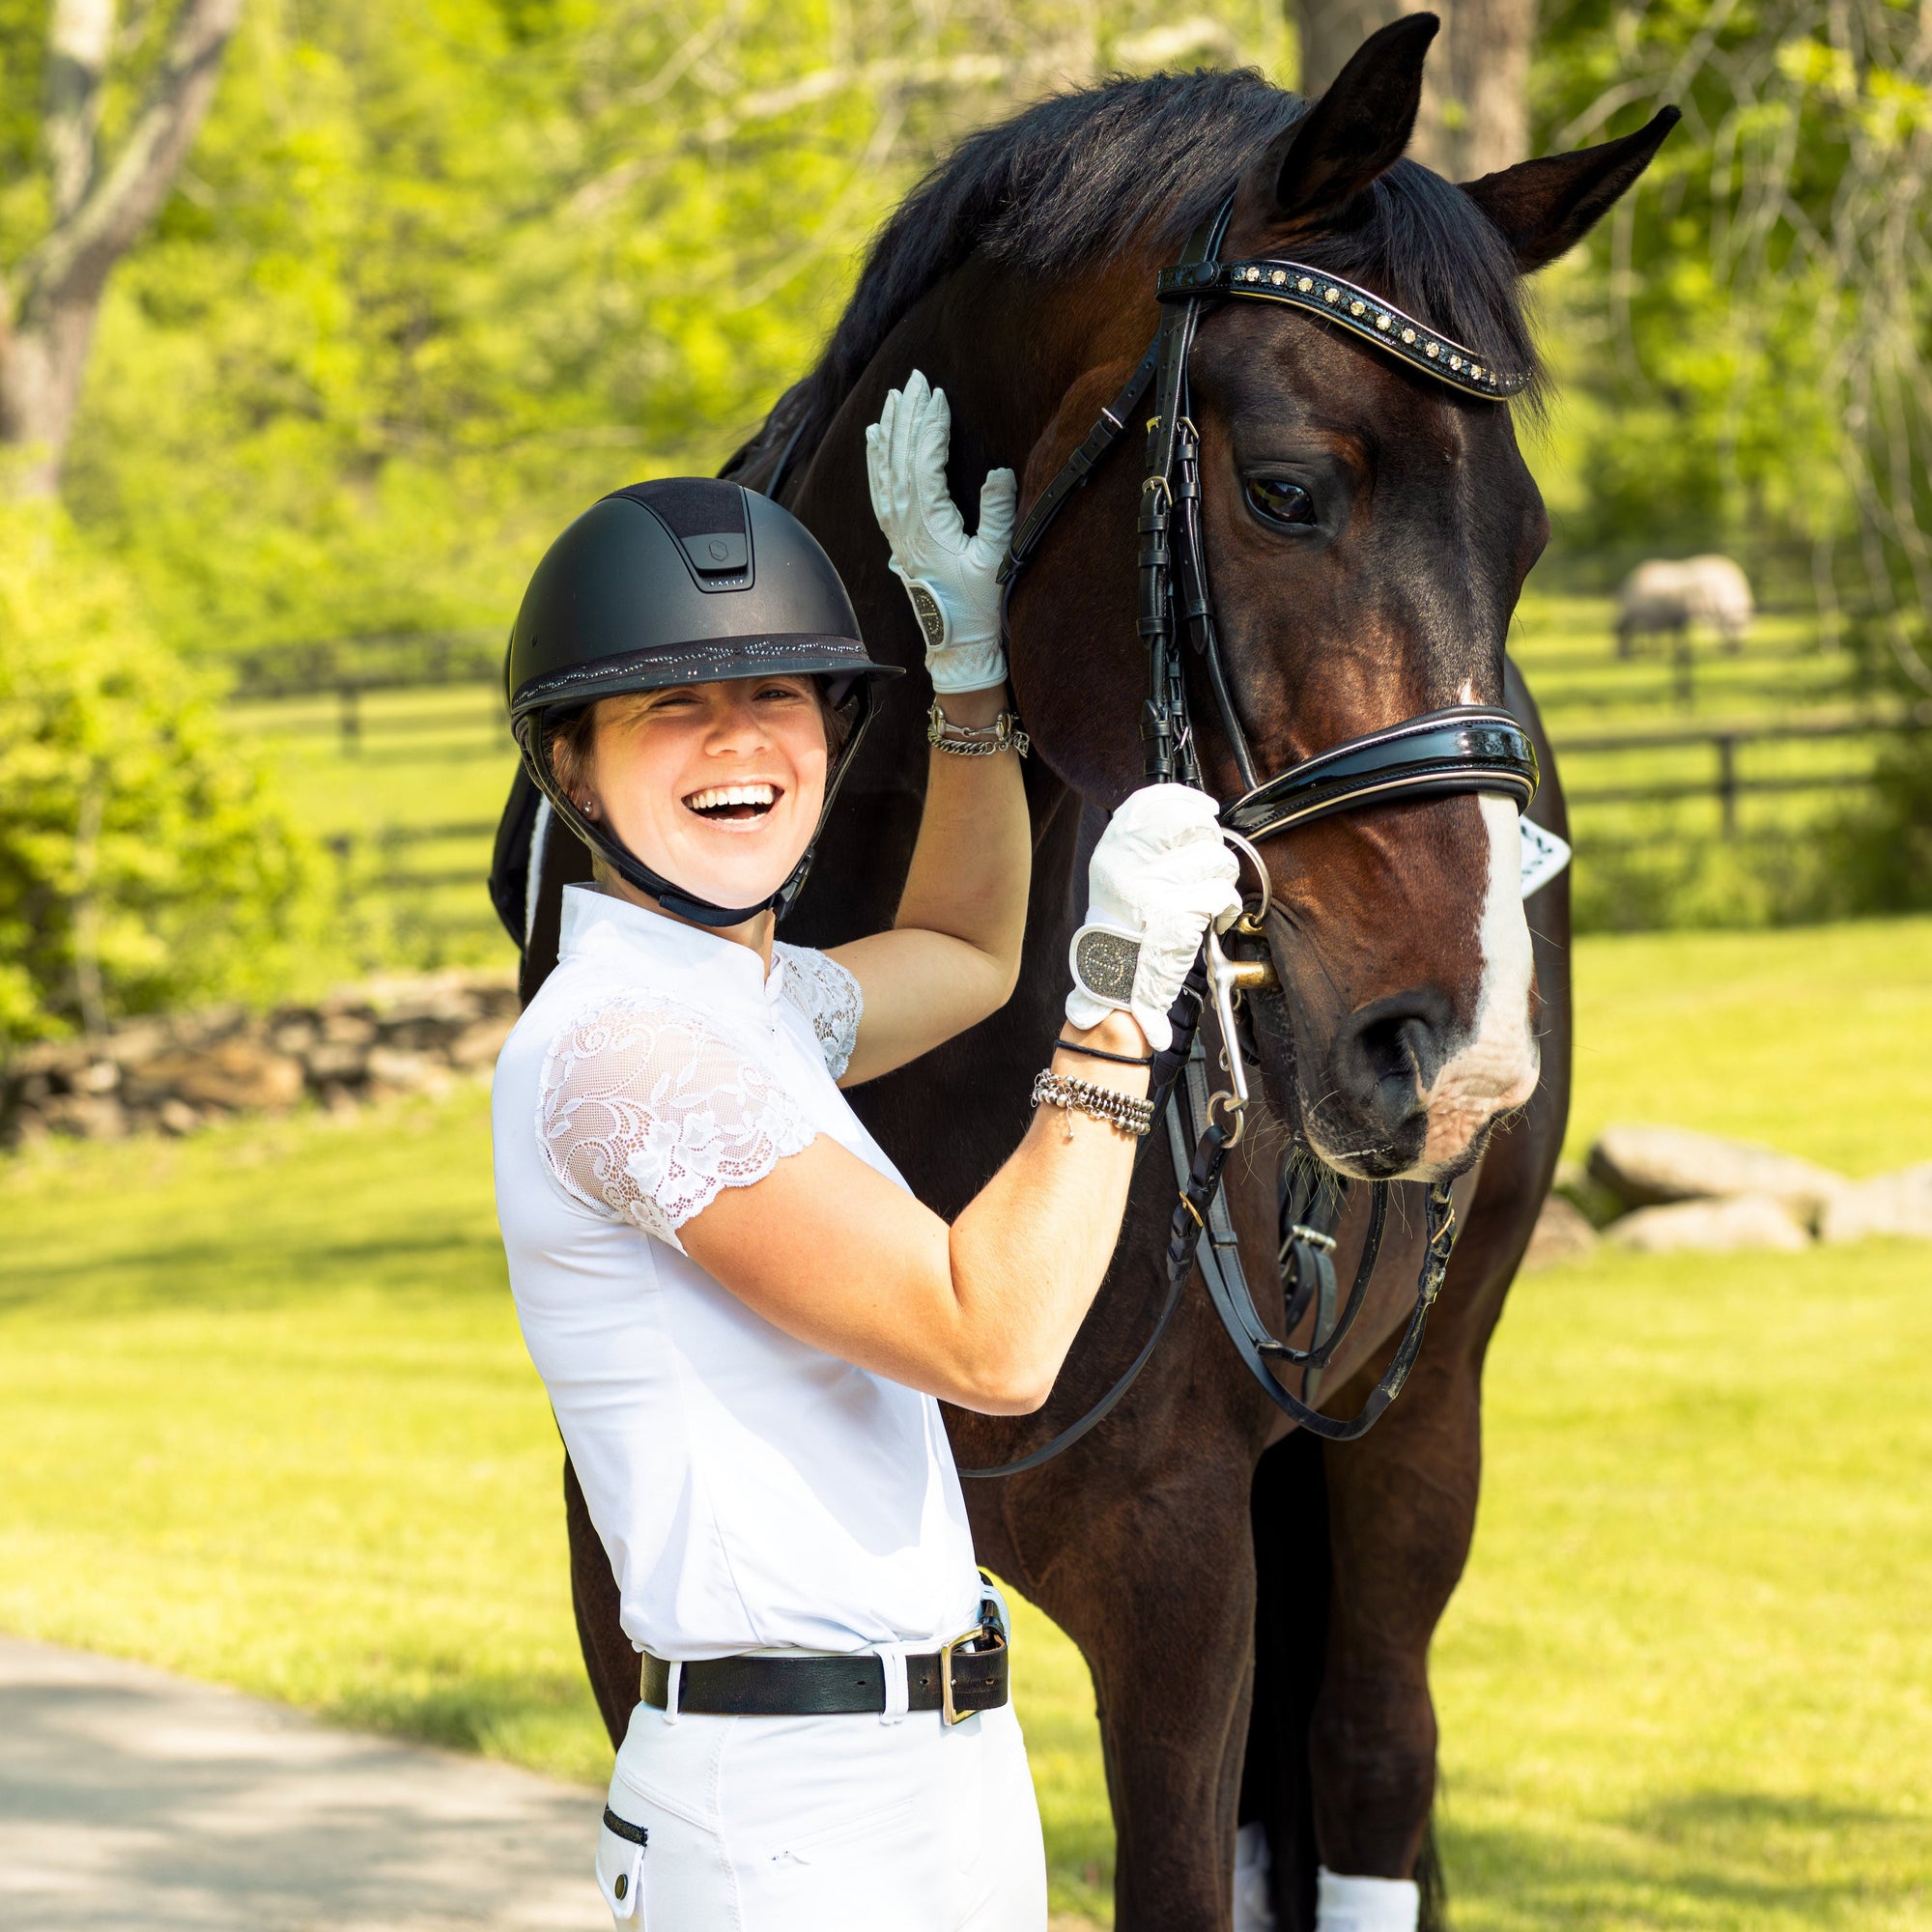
(1252, 1910)
(1365, 1904)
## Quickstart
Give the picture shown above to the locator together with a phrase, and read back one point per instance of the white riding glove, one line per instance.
(948, 576)
(1159, 877)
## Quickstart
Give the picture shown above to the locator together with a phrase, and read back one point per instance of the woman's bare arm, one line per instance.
(953, 953)
(980, 1314)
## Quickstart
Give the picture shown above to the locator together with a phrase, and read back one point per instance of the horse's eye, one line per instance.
(1281, 501)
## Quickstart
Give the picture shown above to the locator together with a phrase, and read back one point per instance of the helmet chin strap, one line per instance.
(633, 870)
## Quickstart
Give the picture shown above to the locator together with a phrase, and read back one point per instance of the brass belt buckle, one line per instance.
(946, 1650)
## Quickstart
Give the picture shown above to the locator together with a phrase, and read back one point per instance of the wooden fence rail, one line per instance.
(1724, 782)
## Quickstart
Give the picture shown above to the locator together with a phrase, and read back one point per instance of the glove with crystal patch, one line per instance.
(1160, 875)
(950, 578)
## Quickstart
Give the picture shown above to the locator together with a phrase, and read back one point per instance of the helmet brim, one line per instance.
(710, 660)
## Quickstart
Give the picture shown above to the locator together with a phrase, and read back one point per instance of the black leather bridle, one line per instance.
(1460, 749)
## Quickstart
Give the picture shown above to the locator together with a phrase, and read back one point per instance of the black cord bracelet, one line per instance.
(1095, 1053)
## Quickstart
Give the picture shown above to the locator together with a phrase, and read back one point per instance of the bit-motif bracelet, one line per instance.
(975, 741)
(1121, 1111)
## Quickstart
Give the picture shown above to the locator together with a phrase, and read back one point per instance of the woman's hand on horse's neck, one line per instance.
(954, 953)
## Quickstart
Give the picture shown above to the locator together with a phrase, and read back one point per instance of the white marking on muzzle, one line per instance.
(1497, 1068)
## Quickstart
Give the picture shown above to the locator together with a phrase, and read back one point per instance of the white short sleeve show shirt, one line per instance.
(751, 1492)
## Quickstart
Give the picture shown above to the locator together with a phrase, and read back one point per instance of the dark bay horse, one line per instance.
(1256, 1607)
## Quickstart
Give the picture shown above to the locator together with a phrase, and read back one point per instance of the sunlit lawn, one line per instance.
(264, 1417)
(1817, 1040)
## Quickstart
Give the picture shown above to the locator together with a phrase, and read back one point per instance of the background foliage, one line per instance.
(143, 860)
(443, 270)
(1751, 326)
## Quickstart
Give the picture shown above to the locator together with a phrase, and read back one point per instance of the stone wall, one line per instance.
(391, 1035)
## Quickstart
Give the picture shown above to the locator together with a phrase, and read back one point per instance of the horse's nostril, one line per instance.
(1388, 1056)
(1399, 1050)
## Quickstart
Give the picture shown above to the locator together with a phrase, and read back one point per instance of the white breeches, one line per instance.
(1341, 1903)
(841, 1823)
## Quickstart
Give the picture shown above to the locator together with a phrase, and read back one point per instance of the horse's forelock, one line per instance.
(1429, 250)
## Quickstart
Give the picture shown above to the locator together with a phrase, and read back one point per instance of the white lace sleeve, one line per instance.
(829, 997)
(645, 1113)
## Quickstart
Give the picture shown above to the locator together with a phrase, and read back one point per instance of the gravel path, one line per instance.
(132, 1798)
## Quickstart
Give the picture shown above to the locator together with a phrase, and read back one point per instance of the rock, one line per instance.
(339, 1103)
(334, 1061)
(90, 1116)
(478, 1045)
(431, 1034)
(293, 1035)
(447, 999)
(1890, 1203)
(1591, 1199)
(177, 1073)
(407, 1072)
(1712, 1227)
(1563, 1233)
(1649, 1167)
(496, 993)
(235, 1074)
(138, 1041)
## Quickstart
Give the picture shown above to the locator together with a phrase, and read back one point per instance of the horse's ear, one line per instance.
(1544, 208)
(1354, 133)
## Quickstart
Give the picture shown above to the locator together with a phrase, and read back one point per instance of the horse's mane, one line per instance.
(1080, 175)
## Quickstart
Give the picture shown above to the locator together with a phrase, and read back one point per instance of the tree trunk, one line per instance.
(48, 306)
(1475, 109)
(41, 365)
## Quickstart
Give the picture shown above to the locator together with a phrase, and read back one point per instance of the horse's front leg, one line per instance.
(1401, 1510)
(1158, 1591)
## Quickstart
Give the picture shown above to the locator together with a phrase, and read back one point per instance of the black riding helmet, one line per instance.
(684, 581)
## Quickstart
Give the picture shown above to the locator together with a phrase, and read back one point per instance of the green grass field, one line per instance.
(264, 1418)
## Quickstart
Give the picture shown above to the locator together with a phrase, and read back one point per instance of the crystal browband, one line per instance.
(1352, 308)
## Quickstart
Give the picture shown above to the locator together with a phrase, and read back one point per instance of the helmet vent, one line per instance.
(708, 521)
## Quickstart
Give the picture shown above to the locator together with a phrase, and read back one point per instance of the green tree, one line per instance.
(142, 860)
(1751, 336)
(119, 107)
(442, 270)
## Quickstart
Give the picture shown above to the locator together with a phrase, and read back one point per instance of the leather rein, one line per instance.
(1460, 749)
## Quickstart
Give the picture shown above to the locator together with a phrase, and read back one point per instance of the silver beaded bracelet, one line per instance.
(1121, 1111)
(975, 741)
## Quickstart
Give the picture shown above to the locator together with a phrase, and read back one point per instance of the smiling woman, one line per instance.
(743, 1319)
(722, 779)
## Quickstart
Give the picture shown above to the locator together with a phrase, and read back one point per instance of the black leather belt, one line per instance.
(952, 1680)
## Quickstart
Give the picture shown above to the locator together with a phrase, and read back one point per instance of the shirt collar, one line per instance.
(594, 921)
